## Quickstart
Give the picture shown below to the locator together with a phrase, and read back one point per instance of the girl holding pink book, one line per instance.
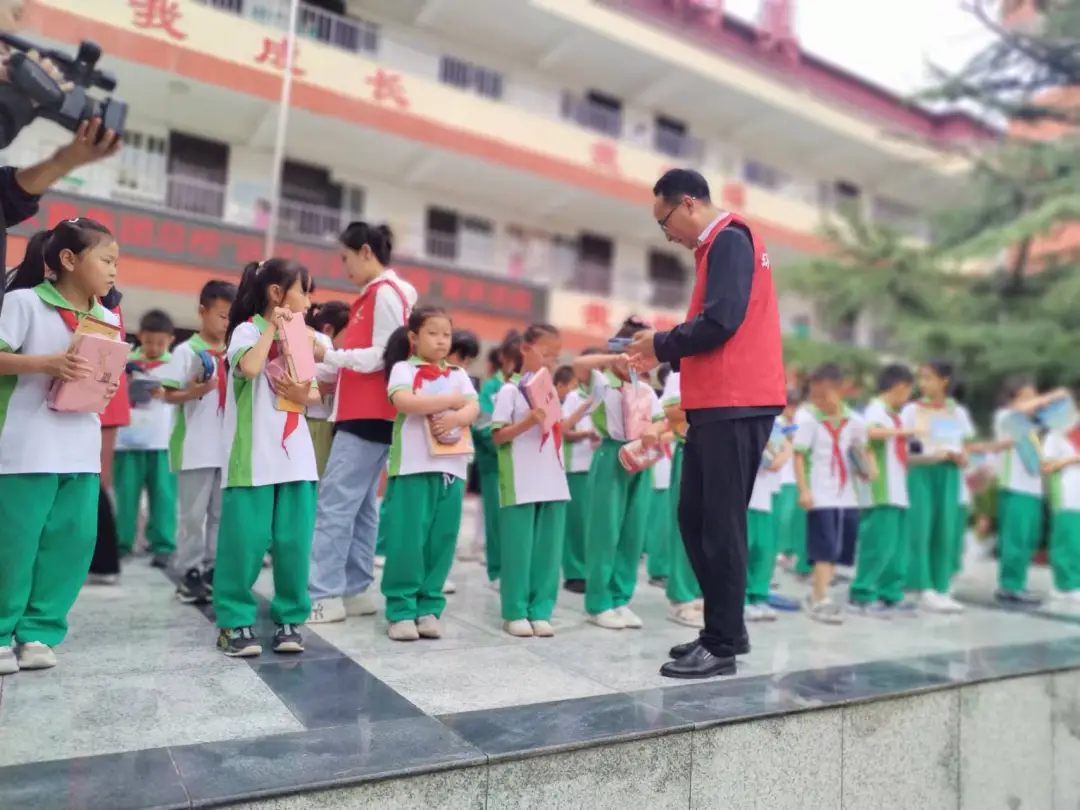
(269, 475)
(421, 511)
(618, 500)
(51, 460)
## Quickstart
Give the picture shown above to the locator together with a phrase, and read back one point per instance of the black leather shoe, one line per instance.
(742, 647)
(698, 663)
(574, 585)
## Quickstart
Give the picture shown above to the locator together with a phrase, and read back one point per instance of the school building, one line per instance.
(510, 144)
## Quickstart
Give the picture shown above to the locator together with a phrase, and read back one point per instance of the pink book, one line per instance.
(297, 343)
(540, 392)
(637, 410)
(107, 358)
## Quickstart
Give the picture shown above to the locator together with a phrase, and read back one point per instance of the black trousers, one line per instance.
(720, 462)
(106, 552)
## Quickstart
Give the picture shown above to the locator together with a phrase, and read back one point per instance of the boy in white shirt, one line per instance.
(761, 535)
(1061, 463)
(142, 449)
(826, 431)
(579, 438)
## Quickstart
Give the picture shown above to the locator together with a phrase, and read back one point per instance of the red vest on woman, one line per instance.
(747, 370)
(363, 396)
(118, 412)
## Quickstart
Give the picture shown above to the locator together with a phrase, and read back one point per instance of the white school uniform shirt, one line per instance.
(1064, 485)
(151, 422)
(530, 469)
(198, 427)
(409, 450)
(890, 486)
(577, 456)
(607, 416)
(815, 443)
(33, 437)
(765, 486)
(909, 419)
(326, 404)
(256, 452)
(1012, 474)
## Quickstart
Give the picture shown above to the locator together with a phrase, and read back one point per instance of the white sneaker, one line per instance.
(35, 655)
(768, 614)
(699, 605)
(825, 611)
(9, 664)
(1057, 596)
(939, 603)
(403, 631)
(361, 604)
(449, 587)
(471, 552)
(494, 585)
(608, 619)
(519, 628)
(1073, 596)
(380, 561)
(102, 579)
(686, 615)
(752, 613)
(630, 619)
(542, 629)
(429, 627)
(953, 605)
(326, 611)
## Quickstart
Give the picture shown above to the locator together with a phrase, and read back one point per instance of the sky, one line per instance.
(886, 41)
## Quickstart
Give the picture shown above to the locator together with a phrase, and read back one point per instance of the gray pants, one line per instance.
(347, 518)
(198, 495)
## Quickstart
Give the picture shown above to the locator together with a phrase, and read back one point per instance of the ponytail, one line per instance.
(398, 348)
(255, 280)
(378, 238)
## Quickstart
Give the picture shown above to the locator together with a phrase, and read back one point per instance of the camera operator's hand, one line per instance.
(46, 65)
(85, 146)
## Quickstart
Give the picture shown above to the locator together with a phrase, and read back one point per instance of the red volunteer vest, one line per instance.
(363, 396)
(747, 370)
(118, 412)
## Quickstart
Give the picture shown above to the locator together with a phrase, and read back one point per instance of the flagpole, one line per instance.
(281, 134)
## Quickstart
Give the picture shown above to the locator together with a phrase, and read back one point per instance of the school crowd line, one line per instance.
(231, 432)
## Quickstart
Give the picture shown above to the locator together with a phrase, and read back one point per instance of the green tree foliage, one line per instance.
(1020, 311)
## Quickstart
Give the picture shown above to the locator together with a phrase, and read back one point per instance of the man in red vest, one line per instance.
(730, 359)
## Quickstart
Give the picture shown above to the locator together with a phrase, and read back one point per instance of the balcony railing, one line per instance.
(679, 145)
(347, 33)
(589, 114)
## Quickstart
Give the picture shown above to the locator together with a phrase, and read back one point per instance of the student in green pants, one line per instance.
(424, 491)
(786, 497)
(618, 500)
(881, 564)
(578, 439)
(658, 539)
(943, 429)
(269, 476)
(1061, 462)
(533, 494)
(761, 545)
(1020, 503)
(682, 588)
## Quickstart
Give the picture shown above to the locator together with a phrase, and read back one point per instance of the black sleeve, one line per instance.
(729, 275)
(18, 205)
(16, 112)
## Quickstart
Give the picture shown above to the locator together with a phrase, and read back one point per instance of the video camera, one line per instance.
(68, 109)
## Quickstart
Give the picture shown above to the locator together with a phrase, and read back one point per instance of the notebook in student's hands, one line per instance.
(298, 345)
(89, 325)
(539, 391)
(276, 369)
(107, 358)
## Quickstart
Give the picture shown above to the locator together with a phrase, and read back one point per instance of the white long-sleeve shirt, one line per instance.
(388, 316)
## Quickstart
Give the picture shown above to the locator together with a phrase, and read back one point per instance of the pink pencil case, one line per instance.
(297, 345)
(107, 358)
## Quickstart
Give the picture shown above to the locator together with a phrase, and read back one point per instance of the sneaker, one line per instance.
(9, 664)
(35, 655)
(752, 613)
(240, 642)
(935, 602)
(520, 628)
(1017, 598)
(658, 582)
(542, 629)
(361, 604)
(160, 560)
(192, 590)
(875, 610)
(471, 552)
(380, 560)
(768, 614)
(608, 619)
(326, 611)
(574, 585)
(102, 579)
(956, 607)
(449, 587)
(1073, 597)
(267, 561)
(208, 579)
(906, 608)
(404, 630)
(1057, 596)
(494, 585)
(824, 611)
(630, 619)
(429, 627)
(287, 639)
(686, 615)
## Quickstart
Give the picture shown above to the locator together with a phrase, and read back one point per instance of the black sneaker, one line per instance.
(239, 642)
(192, 590)
(1017, 598)
(160, 560)
(287, 639)
(658, 582)
(208, 579)
(575, 585)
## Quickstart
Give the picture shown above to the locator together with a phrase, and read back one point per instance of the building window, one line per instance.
(198, 171)
(143, 166)
(669, 136)
(595, 111)
(667, 277)
(452, 237)
(763, 175)
(441, 239)
(322, 20)
(310, 201)
(594, 265)
(459, 73)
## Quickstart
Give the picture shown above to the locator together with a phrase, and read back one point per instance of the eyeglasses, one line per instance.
(663, 222)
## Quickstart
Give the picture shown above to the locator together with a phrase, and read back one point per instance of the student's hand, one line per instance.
(198, 390)
(536, 416)
(777, 464)
(66, 366)
(111, 389)
(445, 422)
(327, 388)
(456, 400)
(292, 390)
(651, 436)
(1050, 467)
(319, 350)
(957, 458)
(157, 393)
(622, 365)
(280, 316)
(806, 499)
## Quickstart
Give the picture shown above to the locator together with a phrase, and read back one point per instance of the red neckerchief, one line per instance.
(667, 451)
(934, 406)
(428, 372)
(838, 464)
(292, 418)
(143, 364)
(556, 431)
(1074, 438)
(222, 379)
(69, 317)
(901, 442)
